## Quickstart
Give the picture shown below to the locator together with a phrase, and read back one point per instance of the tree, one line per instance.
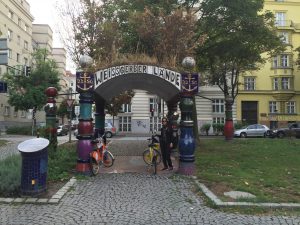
(115, 105)
(27, 92)
(235, 36)
(62, 110)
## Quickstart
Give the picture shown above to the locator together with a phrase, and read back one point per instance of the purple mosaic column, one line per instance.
(85, 87)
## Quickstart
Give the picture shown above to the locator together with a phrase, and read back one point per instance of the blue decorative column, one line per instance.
(189, 82)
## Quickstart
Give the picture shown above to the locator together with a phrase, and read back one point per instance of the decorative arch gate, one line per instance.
(169, 85)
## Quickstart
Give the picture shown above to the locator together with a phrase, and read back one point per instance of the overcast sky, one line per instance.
(44, 12)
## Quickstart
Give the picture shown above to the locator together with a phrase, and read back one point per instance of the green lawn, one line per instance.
(267, 168)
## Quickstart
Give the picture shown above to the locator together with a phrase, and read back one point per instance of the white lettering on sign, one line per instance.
(172, 77)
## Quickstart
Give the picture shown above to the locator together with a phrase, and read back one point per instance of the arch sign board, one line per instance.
(105, 75)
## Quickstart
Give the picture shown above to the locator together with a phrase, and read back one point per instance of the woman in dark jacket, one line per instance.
(166, 144)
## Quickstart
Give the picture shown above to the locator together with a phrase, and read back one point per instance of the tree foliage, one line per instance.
(115, 29)
(115, 105)
(234, 35)
(27, 92)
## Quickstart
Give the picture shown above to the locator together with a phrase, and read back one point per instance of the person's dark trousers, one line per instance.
(166, 156)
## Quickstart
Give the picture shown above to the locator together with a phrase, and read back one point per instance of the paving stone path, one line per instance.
(131, 198)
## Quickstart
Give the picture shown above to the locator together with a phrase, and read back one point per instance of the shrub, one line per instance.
(205, 128)
(238, 126)
(218, 128)
(10, 176)
(62, 161)
(25, 130)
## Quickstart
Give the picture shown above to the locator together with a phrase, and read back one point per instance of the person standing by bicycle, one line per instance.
(166, 144)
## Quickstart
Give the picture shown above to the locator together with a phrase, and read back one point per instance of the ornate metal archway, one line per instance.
(170, 85)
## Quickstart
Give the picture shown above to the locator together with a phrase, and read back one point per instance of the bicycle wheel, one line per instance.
(108, 159)
(147, 157)
(94, 166)
(154, 164)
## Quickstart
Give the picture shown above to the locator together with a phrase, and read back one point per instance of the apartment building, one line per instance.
(271, 95)
(18, 39)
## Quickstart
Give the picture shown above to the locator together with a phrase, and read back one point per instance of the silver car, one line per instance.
(110, 130)
(254, 130)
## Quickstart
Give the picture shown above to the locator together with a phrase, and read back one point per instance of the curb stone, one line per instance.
(53, 200)
(219, 202)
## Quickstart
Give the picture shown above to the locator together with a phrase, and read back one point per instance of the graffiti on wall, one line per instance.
(140, 124)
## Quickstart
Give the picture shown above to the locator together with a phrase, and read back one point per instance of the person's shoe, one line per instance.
(170, 168)
(164, 168)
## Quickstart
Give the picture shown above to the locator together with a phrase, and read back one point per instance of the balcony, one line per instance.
(283, 95)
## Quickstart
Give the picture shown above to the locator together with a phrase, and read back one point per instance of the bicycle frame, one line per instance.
(100, 156)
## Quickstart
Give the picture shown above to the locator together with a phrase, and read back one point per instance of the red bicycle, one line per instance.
(100, 155)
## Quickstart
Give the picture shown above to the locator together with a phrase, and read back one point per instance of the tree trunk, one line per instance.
(228, 127)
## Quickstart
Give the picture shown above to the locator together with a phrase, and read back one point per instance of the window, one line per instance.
(275, 84)
(273, 107)
(6, 111)
(125, 123)
(9, 53)
(284, 60)
(285, 83)
(18, 57)
(25, 61)
(155, 105)
(290, 107)
(10, 15)
(218, 105)
(284, 36)
(280, 19)
(15, 113)
(18, 40)
(155, 123)
(249, 83)
(126, 108)
(220, 120)
(19, 22)
(281, 61)
(26, 45)
(9, 34)
(26, 28)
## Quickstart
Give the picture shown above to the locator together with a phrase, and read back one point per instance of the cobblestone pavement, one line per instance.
(131, 198)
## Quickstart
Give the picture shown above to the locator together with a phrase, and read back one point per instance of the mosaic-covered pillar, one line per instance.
(85, 87)
(189, 88)
(85, 132)
(51, 128)
(99, 118)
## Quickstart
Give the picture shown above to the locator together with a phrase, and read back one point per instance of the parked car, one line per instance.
(62, 130)
(254, 130)
(293, 130)
(110, 130)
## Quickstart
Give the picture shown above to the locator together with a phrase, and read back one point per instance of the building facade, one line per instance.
(16, 34)
(18, 39)
(271, 95)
